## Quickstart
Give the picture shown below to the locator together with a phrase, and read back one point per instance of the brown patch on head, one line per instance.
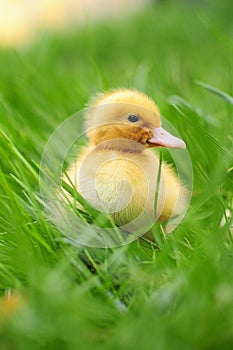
(120, 131)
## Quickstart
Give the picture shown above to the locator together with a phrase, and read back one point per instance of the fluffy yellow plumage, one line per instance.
(117, 172)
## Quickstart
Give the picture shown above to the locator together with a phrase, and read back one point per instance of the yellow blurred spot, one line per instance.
(8, 305)
(21, 19)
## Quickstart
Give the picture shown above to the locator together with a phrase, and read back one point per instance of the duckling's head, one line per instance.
(125, 114)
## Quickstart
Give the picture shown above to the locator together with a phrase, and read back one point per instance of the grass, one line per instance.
(179, 296)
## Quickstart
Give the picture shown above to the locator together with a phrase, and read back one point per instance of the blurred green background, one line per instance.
(179, 296)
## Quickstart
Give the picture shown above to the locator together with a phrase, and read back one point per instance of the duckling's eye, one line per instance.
(133, 118)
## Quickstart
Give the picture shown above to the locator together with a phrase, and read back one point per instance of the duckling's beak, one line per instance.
(163, 138)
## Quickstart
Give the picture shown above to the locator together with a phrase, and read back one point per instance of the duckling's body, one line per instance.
(117, 172)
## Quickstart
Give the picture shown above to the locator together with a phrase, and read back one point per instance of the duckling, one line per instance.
(117, 172)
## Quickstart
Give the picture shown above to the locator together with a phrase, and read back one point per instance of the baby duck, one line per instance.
(117, 172)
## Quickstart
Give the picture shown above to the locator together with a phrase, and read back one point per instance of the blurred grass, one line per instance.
(177, 297)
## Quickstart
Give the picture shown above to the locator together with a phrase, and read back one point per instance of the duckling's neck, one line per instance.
(121, 145)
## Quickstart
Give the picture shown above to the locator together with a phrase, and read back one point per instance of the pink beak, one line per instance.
(163, 138)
